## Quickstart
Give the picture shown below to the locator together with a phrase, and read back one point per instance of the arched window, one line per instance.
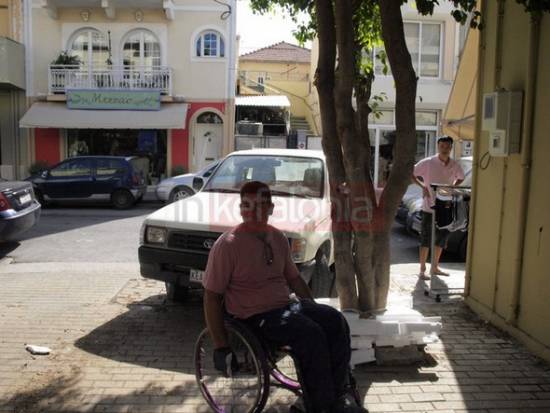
(209, 117)
(90, 46)
(210, 44)
(141, 48)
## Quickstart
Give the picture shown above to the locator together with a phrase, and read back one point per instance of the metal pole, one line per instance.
(432, 243)
(376, 156)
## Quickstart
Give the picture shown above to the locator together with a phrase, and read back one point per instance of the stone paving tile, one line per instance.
(117, 346)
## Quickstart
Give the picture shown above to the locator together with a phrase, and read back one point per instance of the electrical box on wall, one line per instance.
(502, 113)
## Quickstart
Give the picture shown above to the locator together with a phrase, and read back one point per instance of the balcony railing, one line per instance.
(63, 77)
(250, 77)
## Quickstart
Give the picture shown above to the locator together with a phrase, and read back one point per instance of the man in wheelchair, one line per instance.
(250, 274)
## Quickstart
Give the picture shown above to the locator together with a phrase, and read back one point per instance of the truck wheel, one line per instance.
(180, 192)
(122, 199)
(176, 293)
(321, 280)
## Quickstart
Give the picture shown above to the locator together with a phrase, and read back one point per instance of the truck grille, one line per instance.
(192, 241)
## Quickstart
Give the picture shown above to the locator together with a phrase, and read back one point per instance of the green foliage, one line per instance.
(65, 58)
(295, 9)
(375, 102)
(38, 167)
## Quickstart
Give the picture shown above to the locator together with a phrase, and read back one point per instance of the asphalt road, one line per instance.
(82, 234)
(105, 235)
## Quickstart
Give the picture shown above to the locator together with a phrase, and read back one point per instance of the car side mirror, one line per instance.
(198, 182)
(45, 173)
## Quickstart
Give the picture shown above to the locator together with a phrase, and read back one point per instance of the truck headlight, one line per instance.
(155, 235)
(298, 249)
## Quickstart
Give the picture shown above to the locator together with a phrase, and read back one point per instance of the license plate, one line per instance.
(196, 275)
(25, 198)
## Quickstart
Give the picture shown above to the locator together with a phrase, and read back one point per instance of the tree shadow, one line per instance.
(152, 333)
(62, 394)
(156, 334)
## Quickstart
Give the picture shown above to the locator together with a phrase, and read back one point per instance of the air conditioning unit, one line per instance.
(250, 128)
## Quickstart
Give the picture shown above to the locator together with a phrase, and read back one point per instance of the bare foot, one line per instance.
(438, 271)
(422, 275)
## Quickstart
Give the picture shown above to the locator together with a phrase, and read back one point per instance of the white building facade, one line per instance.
(434, 43)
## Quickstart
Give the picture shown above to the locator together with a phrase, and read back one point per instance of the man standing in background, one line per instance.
(439, 169)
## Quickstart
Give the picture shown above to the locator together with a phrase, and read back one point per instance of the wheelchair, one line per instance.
(262, 367)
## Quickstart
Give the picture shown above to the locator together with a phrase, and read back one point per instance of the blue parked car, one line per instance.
(114, 179)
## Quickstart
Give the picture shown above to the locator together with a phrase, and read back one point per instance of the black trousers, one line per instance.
(441, 235)
(319, 337)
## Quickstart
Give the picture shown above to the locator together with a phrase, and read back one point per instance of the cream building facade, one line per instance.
(14, 148)
(178, 54)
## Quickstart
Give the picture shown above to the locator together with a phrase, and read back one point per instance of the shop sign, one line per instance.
(113, 99)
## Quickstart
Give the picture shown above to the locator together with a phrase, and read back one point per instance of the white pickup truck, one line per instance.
(175, 240)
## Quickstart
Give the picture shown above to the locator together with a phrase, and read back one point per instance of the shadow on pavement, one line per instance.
(61, 393)
(7, 247)
(152, 333)
(159, 335)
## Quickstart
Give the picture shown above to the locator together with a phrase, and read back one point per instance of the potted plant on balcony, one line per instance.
(65, 58)
(61, 68)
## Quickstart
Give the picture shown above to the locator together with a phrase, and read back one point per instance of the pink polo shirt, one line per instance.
(433, 170)
(238, 269)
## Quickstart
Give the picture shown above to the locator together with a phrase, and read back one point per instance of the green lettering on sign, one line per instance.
(114, 99)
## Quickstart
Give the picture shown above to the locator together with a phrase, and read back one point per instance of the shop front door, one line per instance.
(207, 144)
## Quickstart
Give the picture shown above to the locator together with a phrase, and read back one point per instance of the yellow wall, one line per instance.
(4, 18)
(11, 22)
(297, 91)
(495, 230)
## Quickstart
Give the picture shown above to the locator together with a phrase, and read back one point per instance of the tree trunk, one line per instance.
(362, 194)
(405, 85)
(361, 225)
(373, 249)
(324, 81)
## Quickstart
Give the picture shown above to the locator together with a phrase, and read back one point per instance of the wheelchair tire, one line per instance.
(217, 389)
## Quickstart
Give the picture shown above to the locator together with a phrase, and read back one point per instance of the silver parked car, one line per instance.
(19, 209)
(181, 186)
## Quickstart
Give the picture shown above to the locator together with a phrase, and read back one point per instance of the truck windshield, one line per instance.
(285, 175)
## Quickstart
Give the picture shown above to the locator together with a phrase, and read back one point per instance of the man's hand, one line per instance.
(225, 361)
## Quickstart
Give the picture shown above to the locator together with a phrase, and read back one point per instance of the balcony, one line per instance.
(12, 64)
(63, 77)
(110, 7)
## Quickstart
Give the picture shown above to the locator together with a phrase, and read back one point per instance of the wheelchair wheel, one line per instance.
(283, 369)
(247, 391)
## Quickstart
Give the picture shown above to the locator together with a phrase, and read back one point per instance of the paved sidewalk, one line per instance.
(118, 347)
